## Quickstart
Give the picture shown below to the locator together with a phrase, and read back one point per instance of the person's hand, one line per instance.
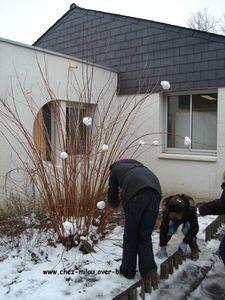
(183, 248)
(199, 209)
(162, 252)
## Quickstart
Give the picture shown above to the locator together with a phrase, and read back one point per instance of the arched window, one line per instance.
(59, 125)
(42, 131)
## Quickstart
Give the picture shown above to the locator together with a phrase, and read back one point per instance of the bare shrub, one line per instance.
(69, 188)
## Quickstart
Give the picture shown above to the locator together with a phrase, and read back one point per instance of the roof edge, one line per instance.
(137, 20)
(31, 47)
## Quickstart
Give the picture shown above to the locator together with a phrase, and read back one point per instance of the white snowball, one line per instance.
(63, 155)
(105, 147)
(141, 142)
(101, 204)
(155, 143)
(87, 121)
(68, 228)
(165, 85)
(187, 141)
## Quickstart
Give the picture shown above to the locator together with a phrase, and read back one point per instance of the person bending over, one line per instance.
(140, 194)
(179, 211)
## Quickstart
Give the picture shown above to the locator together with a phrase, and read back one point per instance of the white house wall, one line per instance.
(197, 175)
(21, 79)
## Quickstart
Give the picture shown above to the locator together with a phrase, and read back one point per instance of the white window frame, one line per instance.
(63, 104)
(188, 149)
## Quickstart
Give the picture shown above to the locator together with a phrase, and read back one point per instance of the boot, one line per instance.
(194, 250)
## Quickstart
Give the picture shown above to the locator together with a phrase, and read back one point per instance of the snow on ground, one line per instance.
(183, 283)
(27, 265)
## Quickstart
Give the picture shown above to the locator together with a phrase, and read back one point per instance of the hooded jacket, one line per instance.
(130, 176)
(189, 215)
(214, 207)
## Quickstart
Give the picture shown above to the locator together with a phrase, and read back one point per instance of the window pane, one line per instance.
(48, 128)
(178, 120)
(75, 130)
(204, 121)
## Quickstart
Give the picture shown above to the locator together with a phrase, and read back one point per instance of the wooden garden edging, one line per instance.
(151, 282)
(145, 285)
(131, 292)
(212, 227)
(166, 268)
(173, 261)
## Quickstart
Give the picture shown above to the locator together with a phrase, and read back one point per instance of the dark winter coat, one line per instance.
(189, 215)
(215, 207)
(130, 176)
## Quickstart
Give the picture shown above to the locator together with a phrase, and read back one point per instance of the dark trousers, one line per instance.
(222, 249)
(140, 216)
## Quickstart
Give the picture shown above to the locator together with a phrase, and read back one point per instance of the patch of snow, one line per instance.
(83, 238)
(68, 228)
(31, 269)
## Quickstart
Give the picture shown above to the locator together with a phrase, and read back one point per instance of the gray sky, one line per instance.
(26, 20)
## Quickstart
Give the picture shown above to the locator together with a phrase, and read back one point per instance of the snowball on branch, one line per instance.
(63, 155)
(187, 141)
(101, 204)
(87, 121)
(165, 85)
(141, 142)
(155, 143)
(105, 148)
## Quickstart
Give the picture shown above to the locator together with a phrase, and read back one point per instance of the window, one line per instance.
(76, 131)
(61, 121)
(195, 116)
(42, 131)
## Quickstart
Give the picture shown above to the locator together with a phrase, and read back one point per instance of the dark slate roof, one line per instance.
(143, 52)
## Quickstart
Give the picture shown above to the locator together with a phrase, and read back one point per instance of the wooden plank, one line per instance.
(164, 270)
